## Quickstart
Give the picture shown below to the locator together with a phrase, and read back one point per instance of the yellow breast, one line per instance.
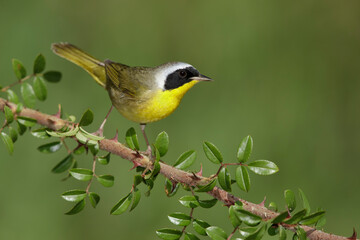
(158, 105)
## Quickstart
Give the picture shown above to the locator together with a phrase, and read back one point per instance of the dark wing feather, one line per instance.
(119, 76)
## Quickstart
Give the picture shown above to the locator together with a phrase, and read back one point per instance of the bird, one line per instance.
(141, 94)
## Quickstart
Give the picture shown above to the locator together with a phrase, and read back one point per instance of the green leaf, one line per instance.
(8, 142)
(52, 76)
(64, 164)
(179, 219)
(185, 160)
(245, 149)
(50, 147)
(242, 178)
(104, 160)
(207, 203)
(200, 226)
(87, 118)
(280, 218)
(40, 133)
(94, 149)
(296, 217)
(137, 180)
(94, 199)
(169, 234)
(19, 107)
(300, 232)
(190, 236)
(282, 235)
(13, 134)
(305, 201)
(9, 116)
(106, 180)
(234, 219)
(263, 167)
(12, 97)
(248, 218)
(81, 174)
(84, 140)
(273, 206)
(189, 201)
(273, 230)
(137, 197)
(122, 205)
(290, 199)
(77, 208)
(39, 64)
(247, 231)
(312, 218)
(19, 69)
(212, 153)
(21, 128)
(132, 139)
(79, 150)
(216, 233)
(258, 234)
(40, 88)
(150, 184)
(28, 94)
(171, 188)
(162, 143)
(206, 188)
(224, 179)
(74, 195)
(28, 122)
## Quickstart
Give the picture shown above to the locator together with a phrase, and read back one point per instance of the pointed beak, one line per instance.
(201, 78)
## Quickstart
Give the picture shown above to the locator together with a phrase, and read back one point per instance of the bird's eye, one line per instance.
(182, 74)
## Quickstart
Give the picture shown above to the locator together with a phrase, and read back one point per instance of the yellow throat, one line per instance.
(159, 105)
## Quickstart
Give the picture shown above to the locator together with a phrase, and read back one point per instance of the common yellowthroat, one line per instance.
(140, 94)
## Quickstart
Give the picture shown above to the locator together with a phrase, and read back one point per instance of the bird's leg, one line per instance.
(148, 150)
(100, 131)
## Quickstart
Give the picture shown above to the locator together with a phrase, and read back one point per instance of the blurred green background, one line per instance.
(285, 72)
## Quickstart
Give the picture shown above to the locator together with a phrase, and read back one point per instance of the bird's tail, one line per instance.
(72, 53)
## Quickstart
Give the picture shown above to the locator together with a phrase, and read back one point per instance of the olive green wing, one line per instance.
(120, 76)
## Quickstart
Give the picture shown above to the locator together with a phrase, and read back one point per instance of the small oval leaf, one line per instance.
(52, 76)
(87, 118)
(290, 199)
(104, 160)
(200, 226)
(312, 218)
(9, 116)
(40, 133)
(64, 164)
(206, 188)
(162, 143)
(40, 88)
(74, 195)
(12, 97)
(207, 203)
(77, 208)
(39, 64)
(189, 201)
(216, 233)
(50, 147)
(13, 134)
(81, 174)
(106, 180)
(185, 160)
(212, 153)
(224, 179)
(94, 199)
(137, 197)
(28, 95)
(248, 218)
(19, 69)
(179, 219)
(27, 122)
(169, 234)
(190, 236)
(122, 205)
(263, 167)
(131, 139)
(245, 149)
(8, 142)
(242, 178)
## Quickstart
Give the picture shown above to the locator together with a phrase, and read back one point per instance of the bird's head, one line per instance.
(178, 77)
